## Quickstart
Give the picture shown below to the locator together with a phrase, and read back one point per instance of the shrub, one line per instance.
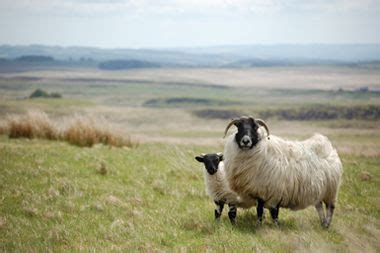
(3, 127)
(321, 112)
(38, 93)
(85, 131)
(55, 95)
(186, 101)
(217, 114)
(32, 125)
(79, 130)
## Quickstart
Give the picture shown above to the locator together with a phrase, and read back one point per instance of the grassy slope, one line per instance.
(52, 197)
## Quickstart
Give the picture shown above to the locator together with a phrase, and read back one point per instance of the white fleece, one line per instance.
(294, 174)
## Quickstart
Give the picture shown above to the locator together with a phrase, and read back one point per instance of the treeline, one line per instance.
(317, 112)
(186, 102)
(362, 112)
(126, 64)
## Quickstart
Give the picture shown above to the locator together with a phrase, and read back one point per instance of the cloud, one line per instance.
(181, 6)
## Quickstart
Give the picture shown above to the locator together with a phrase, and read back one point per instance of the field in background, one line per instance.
(192, 106)
(151, 197)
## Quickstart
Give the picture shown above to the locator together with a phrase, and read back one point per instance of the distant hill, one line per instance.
(38, 62)
(164, 57)
(19, 58)
(296, 52)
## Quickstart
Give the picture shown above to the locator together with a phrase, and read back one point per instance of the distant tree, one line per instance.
(38, 93)
(35, 58)
(362, 89)
(55, 95)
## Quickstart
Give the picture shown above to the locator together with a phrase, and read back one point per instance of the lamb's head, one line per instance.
(211, 161)
(247, 136)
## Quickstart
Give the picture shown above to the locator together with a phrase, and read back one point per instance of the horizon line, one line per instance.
(196, 46)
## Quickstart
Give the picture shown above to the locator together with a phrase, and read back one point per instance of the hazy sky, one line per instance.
(183, 23)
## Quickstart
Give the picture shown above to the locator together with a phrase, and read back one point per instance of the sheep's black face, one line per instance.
(211, 162)
(247, 136)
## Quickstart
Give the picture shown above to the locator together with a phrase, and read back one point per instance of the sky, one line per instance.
(187, 23)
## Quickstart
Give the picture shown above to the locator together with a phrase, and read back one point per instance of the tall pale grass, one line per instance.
(34, 124)
(4, 128)
(84, 131)
(87, 131)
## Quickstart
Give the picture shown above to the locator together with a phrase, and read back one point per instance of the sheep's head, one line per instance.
(211, 161)
(247, 136)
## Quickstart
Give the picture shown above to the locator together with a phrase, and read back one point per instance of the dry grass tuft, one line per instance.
(3, 222)
(87, 131)
(32, 125)
(78, 130)
(365, 176)
(103, 169)
(113, 200)
(4, 128)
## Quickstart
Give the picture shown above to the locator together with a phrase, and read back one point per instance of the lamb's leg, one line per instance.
(232, 213)
(260, 210)
(321, 213)
(219, 209)
(329, 213)
(274, 214)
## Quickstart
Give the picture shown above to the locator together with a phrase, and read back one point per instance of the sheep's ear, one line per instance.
(199, 159)
(220, 155)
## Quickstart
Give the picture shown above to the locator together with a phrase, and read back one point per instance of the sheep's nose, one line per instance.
(245, 142)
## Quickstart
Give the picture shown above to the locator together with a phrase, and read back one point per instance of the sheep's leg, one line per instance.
(219, 209)
(329, 214)
(232, 213)
(274, 214)
(321, 212)
(260, 210)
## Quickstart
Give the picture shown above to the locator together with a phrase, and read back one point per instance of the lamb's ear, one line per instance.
(199, 159)
(220, 155)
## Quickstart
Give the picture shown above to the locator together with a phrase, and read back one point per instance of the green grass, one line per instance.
(54, 196)
(132, 93)
(152, 198)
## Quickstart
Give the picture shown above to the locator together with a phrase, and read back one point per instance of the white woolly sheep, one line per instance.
(217, 186)
(282, 173)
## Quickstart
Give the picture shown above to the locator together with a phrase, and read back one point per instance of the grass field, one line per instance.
(152, 198)
(60, 197)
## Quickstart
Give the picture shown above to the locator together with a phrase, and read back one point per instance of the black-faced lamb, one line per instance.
(282, 173)
(217, 186)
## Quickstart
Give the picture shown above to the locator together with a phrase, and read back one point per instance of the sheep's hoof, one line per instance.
(259, 222)
(233, 222)
(276, 223)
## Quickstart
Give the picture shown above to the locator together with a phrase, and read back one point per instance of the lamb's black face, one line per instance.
(211, 162)
(247, 136)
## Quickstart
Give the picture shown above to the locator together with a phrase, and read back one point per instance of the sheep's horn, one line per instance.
(229, 125)
(262, 123)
